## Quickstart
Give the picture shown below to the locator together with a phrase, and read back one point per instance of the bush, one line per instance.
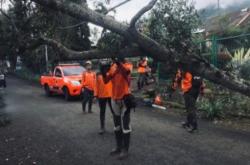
(211, 108)
(245, 70)
(25, 73)
(222, 103)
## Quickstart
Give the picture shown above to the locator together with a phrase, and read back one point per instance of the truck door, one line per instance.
(58, 79)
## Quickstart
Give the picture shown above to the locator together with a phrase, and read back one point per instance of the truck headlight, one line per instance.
(76, 83)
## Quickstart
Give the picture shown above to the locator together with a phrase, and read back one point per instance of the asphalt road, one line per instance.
(51, 131)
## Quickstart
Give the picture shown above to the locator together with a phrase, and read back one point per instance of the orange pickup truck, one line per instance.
(65, 80)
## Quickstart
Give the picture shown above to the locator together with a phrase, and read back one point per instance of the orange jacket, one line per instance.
(120, 78)
(89, 80)
(103, 90)
(186, 82)
(142, 66)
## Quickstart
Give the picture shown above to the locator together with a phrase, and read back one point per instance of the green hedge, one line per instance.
(26, 74)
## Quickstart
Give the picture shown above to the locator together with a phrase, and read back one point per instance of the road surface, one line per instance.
(51, 131)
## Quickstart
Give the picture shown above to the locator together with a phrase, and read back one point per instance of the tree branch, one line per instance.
(10, 19)
(116, 6)
(67, 54)
(148, 45)
(141, 12)
(109, 10)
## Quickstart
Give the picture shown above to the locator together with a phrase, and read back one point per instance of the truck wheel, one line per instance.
(47, 91)
(67, 96)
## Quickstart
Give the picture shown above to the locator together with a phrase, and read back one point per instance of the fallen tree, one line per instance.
(67, 54)
(146, 44)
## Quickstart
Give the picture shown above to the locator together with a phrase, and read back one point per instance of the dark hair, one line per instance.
(104, 68)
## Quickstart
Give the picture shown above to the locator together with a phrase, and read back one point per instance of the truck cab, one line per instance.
(65, 80)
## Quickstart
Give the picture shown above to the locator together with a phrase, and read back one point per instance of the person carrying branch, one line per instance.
(192, 86)
(119, 74)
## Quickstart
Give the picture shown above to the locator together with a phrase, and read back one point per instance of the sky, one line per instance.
(127, 11)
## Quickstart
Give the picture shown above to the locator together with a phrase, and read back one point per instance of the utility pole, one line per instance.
(46, 57)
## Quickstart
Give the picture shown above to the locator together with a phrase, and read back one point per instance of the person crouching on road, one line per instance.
(191, 86)
(88, 86)
(103, 93)
(119, 74)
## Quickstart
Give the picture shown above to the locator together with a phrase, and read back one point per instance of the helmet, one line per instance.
(88, 62)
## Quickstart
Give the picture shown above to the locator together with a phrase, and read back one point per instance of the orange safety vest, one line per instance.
(183, 81)
(120, 81)
(142, 66)
(103, 90)
(89, 80)
(186, 82)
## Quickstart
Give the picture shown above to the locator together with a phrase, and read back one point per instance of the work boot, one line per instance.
(126, 140)
(118, 138)
(83, 109)
(192, 130)
(102, 131)
(123, 155)
(185, 125)
(115, 151)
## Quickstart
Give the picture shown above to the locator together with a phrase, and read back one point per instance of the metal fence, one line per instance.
(217, 50)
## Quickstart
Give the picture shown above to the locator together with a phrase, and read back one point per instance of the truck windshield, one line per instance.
(72, 71)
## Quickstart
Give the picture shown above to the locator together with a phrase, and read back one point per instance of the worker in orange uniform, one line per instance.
(88, 86)
(142, 70)
(191, 86)
(120, 75)
(104, 94)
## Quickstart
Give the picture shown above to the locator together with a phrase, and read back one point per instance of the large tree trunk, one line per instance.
(67, 54)
(151, 47)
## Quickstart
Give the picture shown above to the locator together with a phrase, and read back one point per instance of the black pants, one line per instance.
(102, 104)
(122, 124)
(190, 101)
(3, 83)
(141, 80)
(88, 96)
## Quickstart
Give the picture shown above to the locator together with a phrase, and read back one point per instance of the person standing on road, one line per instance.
(142, 71)
(191, 86)
(88, 87)
(120, 76)
(104, 94)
